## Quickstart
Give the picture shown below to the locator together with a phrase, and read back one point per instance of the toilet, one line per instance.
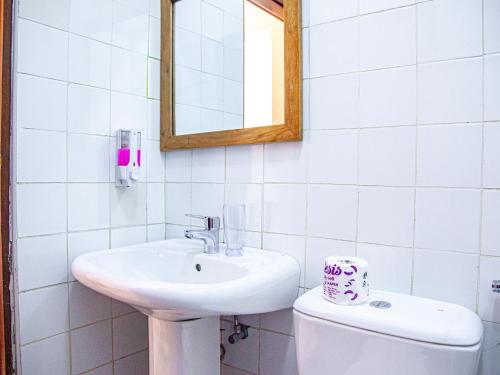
(391, 334)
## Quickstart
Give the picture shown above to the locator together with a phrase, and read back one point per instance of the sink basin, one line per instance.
(174, 280)
(183, 291)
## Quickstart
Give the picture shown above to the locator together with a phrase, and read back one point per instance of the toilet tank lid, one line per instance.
(408, 317)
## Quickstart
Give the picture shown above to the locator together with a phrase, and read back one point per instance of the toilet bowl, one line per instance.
(392, 334)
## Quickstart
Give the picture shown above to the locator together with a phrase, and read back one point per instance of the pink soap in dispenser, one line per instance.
(128, 157)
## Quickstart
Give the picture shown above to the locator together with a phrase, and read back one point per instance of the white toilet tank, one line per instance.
(392, 334)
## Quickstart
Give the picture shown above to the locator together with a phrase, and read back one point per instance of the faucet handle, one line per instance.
(210, 222)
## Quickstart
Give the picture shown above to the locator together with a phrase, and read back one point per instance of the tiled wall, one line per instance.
(83, 68)
(400, 164)
(208, 54)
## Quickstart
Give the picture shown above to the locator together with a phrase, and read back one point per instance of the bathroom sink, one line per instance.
(173, 280)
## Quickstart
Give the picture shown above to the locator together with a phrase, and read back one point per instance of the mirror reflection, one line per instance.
(228, 64)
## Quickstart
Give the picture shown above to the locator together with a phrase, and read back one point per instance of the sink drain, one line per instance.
(198, 267)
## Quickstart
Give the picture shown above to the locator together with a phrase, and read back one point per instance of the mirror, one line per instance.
(230, 72)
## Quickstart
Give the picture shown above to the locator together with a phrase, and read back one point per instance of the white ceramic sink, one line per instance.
(162, 279)
(183, 291)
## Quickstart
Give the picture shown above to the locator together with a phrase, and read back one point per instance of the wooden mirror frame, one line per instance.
(291, 130)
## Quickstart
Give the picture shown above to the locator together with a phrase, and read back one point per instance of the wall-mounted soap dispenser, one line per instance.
(128, 157)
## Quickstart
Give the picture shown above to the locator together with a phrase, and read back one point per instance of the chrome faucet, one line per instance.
(209, 235)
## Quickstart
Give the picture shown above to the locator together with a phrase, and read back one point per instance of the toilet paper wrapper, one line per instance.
(346, 280)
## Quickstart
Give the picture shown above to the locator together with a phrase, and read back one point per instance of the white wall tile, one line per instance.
(386, 216)
(491, 26)
(154, 78)
(128, 71)
(449, 155)
(130, 334)
(322, 11)
(89, 62)
(233, 31)
(340, 54)
(207, 200)
(212, 55)
(91, 346)
(317, 250)
(153, 131)
(388, 39)
(128, 206)
(130, 28)
(128, 236)
(41, 209)
(491, 162)
(41, 261)
(335, 102)
(132, 365)
(251, 196)
(208, 165)
(387, 156)
(88, 110)
(449, 29)
(47, 357)
(84, 242)
(41, 103)
(86, 306)
(368, 6)
(155, 162)
(277, 354)
(189, 15)
(285, 162)
(129, 112)
(491, 87)
(43, 313)
(41, 156)
(490, 235)
(245, 164)
(294, 246)
(154, 37)
(332, 156)
(178, 166)
(388, 97)
(450, 91)
(448, 219)
(284, 208)
(156, 232)
(245, 355)
(88, 158)
(489, 302)
(88, 206)
(187, 84)
(156, 203)
(391, 268)
(458, 286)
(84, 20)
(212, 22)
(188, 49)
(178, 203)
(332, 211)
(278, 321)
(49, 12)
(103, 370)
(41, 50)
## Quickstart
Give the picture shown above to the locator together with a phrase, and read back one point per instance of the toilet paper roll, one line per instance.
(346, 280)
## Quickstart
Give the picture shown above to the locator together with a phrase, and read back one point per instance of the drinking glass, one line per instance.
(234, 227)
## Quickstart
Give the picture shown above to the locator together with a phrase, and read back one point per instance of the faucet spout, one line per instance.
(209, 235)
(210, 239)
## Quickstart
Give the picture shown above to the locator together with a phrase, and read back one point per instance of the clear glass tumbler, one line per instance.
(234, 228)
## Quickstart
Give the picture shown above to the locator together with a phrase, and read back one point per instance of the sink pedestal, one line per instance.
(189, 347)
